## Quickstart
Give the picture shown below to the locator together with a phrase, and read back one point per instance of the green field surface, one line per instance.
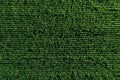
(59, 39)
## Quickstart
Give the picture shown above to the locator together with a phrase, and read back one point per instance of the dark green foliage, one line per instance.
(59, 40)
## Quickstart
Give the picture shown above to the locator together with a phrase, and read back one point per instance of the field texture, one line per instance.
(59, 39)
